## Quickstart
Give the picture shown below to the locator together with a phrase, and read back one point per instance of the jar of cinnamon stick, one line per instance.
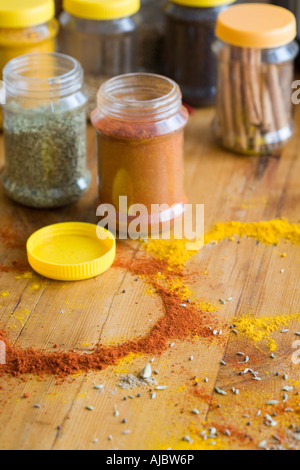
(256, 53)
(140, 124)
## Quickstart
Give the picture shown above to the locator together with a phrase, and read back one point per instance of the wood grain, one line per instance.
(41, 313)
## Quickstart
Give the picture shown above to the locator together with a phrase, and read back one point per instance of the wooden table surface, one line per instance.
(39, 312)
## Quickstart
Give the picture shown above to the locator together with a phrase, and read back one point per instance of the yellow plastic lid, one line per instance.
(71, 251)
(257, 25)
(25, 13)
(101, 9)
(203, 3)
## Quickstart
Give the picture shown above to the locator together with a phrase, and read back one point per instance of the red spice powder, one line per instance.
(178, 323)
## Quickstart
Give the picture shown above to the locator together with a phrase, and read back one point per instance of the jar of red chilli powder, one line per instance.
(140, 124)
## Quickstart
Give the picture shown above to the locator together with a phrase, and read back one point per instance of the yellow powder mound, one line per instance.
(174, 252)
(268, 233)
(260, 329)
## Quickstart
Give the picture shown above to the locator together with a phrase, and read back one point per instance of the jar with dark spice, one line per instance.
(151, 36)
(45, 130)
(189, 57)
(102, 36)
(140, 124)
(255, 76)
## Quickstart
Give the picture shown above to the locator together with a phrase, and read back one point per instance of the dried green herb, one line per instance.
(45, 152)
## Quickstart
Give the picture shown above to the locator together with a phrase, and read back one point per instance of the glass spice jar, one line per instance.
(25, 27)
(102, 36)
(44, 130)
(151, 36)
(190, 34)
(255, 69)
(140, 124)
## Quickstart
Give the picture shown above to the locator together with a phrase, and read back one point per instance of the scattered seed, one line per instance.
(215, 332)
(146, 373)
(124, 421)
(172, 345)
(287, 389)
(272, 402)
(263, 445)
(95, 441)
(195, 411)
(220, 392)
(110, 438)
(153, 396)
(188, 439)
(206, 380)
(240, 354)
(223, 363)
(89, 408)
(227, 433)
(223, 302)
(285, 377)
(285, 331)
(272, 356)
(98, 387)
(191, 358)
(161, 387)
(37, 406)
(126, 432)
(182, 305)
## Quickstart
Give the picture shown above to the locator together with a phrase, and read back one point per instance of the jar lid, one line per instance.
(71, 251)
(257, 25)
(23, 14)
(203, 3)
(101, 9)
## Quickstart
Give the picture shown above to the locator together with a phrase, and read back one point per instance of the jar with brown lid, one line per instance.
(140, 124)
(190, 34)
(255, 76)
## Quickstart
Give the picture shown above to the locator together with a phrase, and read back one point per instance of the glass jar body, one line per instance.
(254, 101)
(19, 41)
(104, 48)
(190, 34)
(142, 158)
(44, 132)
(151, 36)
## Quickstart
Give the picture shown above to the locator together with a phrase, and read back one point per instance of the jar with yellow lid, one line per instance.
(25, 27)
(102, 35)
(189, 59)
(255, 76)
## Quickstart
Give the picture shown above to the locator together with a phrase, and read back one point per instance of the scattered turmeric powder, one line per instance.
(268, 233)
(260, 329)
(271, 232)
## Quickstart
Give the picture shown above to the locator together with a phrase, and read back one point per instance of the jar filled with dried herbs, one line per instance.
(255, 70)
(26, 27)
(102, 35)
(190, 34)
(45, 130)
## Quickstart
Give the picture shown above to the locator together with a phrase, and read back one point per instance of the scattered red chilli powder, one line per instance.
(178, 323)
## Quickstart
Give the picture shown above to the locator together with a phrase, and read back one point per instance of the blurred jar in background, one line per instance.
(26, 27)
(58, 7)
(102, 35)
(151, 36)
(190, 60)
